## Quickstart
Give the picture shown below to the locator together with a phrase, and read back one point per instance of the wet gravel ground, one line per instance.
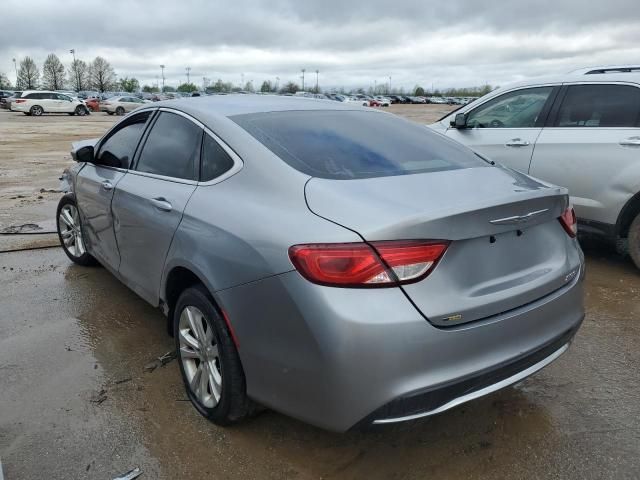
(76, 400)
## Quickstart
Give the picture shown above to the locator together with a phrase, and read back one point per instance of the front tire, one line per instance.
(80, 111)
(70, 232)
(209, 362)
(634, 241)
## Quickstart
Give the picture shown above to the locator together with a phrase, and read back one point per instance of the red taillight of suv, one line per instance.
(20, 100)
(569, 222)
(363, 265)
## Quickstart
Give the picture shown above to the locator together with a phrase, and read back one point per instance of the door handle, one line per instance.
(161, 203)
(107, 185)
(517, 142)
(630, 142)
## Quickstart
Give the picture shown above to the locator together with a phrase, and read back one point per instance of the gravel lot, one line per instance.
(76, 400)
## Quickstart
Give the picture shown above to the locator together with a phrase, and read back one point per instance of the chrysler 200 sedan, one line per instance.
(336, 264)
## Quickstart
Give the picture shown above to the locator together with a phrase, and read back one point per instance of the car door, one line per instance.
(65, 103)
(95, 185)
(149, 201)
(130, 104)
(505, 128)
(593, 135)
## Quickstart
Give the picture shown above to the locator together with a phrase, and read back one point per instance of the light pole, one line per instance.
(389, 84)
(162, 68)
(242, 81)
(16, 69)
(303, 70)
(317, 73)
(75, 67)
(375, 87)
(188, 69)
(157, 85)
(277, 83)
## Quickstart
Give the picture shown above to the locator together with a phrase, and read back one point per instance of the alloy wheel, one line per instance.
(70, 231)
(200, 356)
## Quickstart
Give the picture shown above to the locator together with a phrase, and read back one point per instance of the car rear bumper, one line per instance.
(337, 357)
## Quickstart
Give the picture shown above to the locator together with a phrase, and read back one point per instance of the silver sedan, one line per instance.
(334, 263)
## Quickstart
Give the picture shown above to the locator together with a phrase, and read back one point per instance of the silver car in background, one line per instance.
(337, 264)
(580, 130)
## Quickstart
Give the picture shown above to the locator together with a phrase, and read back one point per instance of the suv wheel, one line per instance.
(36, 110)
(119, 111)
(634, 241)
(81, 111)
(70, 232)
(209, 361)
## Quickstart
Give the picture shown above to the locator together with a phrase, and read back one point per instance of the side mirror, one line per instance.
(460, 121)
(84, 154)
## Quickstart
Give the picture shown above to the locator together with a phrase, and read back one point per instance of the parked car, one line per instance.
(38, 102)
(5, 102)
(357, 298)
(4, 94)
(383, 101)
(580, 130)
(121, 105)
(93, 104)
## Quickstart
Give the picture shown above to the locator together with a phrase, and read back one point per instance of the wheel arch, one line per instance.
(630, 210)
(178, 278)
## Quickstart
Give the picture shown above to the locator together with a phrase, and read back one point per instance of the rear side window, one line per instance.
(119, 148)
(172, 148)
(343, 144)
(215, 160)
(600, 106)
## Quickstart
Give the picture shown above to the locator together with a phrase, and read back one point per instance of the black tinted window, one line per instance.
(215, 160)
(119, 148)
(355, 144)
(600, 106)
(172, 148)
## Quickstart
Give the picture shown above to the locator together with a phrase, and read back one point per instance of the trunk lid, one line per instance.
(507, 246)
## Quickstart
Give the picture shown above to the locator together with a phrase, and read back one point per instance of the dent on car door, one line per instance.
(591, 146)
(149, 201)
(95, 186)
(505, 128)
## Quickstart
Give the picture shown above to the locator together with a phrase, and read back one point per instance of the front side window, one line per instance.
(119, 148)
(215, 160)
(63, 97)
(172, 149)
(517, 109)
(600, 106)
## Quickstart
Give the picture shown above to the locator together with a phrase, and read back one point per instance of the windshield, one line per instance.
(344, 145)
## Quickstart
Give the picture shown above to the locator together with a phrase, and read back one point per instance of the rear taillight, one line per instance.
(20, 100)
(362, 265)
(569, 222)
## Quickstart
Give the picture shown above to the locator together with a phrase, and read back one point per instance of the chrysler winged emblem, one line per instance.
(518, 219)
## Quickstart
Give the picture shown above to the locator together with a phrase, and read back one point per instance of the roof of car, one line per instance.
(230, 105)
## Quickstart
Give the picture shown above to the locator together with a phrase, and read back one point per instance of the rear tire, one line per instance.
(70, 232)
(119, 111)
(634, 241)
(36, 110)
(205, 347)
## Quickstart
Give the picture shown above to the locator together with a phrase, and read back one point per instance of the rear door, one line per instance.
(95, 185)
(593, 136)
(149, 202)
(506, 128)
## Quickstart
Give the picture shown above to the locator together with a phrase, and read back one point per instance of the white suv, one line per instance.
(580, 130)
(37, 102)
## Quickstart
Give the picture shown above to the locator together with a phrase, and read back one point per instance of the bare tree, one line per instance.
(103, 77)
(53, 74)
(28, 74)
(4, 82)
(79, 75)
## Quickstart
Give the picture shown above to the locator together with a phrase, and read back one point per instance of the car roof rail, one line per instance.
(608, 69)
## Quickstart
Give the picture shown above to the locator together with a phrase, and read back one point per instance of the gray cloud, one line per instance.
(353, 43)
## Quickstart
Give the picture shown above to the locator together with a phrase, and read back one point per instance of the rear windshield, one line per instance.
(344, 145)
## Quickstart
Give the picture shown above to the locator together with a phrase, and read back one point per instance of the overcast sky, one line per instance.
(353, 43)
